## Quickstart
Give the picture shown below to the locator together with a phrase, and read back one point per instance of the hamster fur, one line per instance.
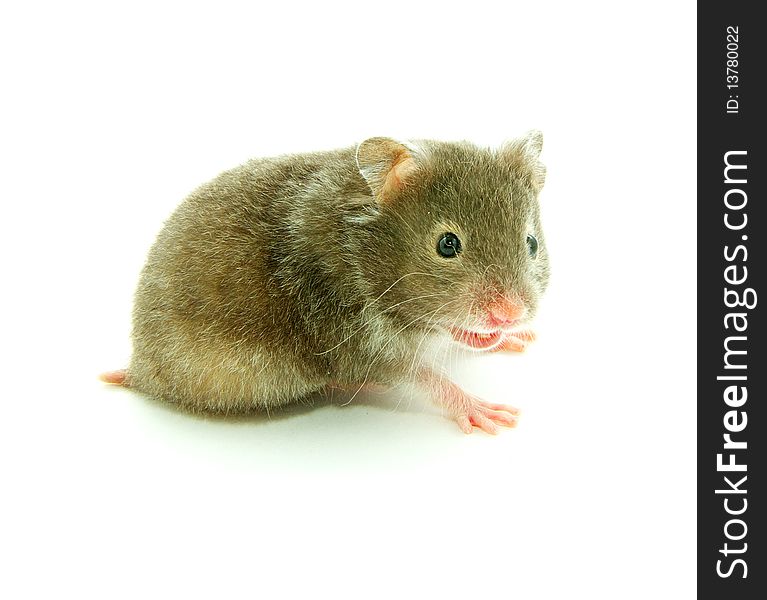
(288, 275)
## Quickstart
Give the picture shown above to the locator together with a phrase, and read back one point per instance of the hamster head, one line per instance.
(454, 241)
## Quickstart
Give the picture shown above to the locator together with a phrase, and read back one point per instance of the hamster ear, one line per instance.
(524, 152)
(386, 165)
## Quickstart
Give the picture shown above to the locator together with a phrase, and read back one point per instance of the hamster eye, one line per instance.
(449, 246)
(532, 245)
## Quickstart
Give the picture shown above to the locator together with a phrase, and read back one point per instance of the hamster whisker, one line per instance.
(415, 362)
(368, 306)
(409, 300)
(389, 341)
(432, 315)
(385, 310)
(440, 369)
(447, 367)
(453, 348)
(388, 289)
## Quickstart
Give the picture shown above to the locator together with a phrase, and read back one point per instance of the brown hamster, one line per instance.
(359, 266)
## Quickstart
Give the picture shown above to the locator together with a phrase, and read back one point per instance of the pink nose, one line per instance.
(505, 311)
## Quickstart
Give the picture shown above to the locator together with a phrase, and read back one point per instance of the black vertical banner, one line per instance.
(732, 260)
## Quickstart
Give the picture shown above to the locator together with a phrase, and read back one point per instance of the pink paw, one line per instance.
(487, 416)
(466, 409)
(516, 342)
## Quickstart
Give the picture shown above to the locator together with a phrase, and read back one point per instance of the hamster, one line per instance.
(362, 266)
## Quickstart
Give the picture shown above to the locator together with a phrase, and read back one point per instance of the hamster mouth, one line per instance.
(475, 339)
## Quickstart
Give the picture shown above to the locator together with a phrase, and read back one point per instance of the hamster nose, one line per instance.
(505, 311)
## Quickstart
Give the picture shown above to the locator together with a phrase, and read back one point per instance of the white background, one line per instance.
(111, 115)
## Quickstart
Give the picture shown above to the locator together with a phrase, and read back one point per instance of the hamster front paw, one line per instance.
(487, 416)
(516, 341)
(469, 411)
